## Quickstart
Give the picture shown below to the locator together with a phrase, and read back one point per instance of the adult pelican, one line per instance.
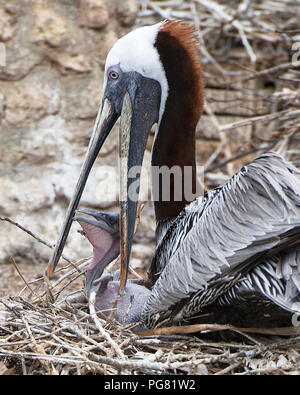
(237, 246)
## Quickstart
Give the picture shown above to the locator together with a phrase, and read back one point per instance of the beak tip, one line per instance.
(48, 272)
(51, 266)
(121, 290)
(123, 278)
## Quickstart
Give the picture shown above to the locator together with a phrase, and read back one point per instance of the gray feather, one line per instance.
(225, 234)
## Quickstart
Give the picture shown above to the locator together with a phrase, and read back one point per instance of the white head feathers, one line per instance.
(136, 52)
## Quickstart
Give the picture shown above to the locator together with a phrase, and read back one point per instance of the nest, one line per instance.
(49, 331)
(251, 66)
(52, 329)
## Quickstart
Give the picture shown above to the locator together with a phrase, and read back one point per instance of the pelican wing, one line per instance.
(217, 239)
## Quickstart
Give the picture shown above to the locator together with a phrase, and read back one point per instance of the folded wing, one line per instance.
(217, 239)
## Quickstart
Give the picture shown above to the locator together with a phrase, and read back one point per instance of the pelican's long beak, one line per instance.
(137, 100)
(132, 148)
(139, 113)
(105, 120)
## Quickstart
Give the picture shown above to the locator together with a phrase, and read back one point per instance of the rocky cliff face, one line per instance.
(50, 91)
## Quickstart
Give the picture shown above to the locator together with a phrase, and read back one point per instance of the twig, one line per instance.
(269, 71)
(30, 233)
(262, 147)
(283, 115)
(217, 8)
(100, 328)
(20, 274)
(158, 10)
(228, 369)
(216, 327)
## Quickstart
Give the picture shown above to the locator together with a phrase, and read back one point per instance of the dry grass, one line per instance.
(247, 56)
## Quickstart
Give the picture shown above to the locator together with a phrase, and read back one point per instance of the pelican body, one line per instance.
(238, 246)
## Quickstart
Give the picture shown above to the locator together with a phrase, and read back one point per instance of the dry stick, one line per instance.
(158, 10)
(73, 329)
(287, 31)
(222, 358)
(49, 358)
(219, 10)
(184, 329)
(20, 274)
(66, 285)
(266, 369)
(223, 138)
(227, 358)
(62, 326)
(30, 233)
(88, 339)
(78, 264)
(38, 348)
(228, 369)
(20, 313)
(68, 274)
(14, 311)
(271, 70)
(285, 331)
(97, 359)
(76, 351)
(100, 328)
(284, 115)
(203, 48)
(245, 41)
(262, 147)
(282, 343)
(61, 279)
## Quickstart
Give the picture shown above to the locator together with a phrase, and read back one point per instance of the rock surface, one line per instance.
(50, 92)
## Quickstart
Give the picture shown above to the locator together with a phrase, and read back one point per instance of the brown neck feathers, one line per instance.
(175, 141)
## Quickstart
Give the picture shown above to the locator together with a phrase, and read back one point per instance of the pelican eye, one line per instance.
(113, 75)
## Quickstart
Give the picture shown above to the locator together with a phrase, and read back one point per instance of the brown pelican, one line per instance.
(236, 249)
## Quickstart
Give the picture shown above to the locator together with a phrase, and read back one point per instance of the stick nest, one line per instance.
(40, 336)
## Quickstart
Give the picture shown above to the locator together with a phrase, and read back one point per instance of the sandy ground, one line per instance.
(12, 283)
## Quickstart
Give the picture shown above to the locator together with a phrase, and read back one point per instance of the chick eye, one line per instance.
(113, 75)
